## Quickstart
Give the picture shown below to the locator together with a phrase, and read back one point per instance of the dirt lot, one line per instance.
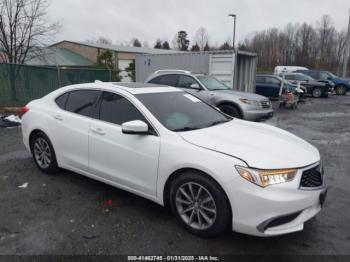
(70, 214)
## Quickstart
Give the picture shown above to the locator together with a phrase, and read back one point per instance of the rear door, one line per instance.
(128, 160)
(71, 124)
(267, 86)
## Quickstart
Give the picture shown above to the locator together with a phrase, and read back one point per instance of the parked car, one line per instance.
(243, 105)
(270, 85)
(287, 69)
(341, 85)
(315, 88)
(168, 146)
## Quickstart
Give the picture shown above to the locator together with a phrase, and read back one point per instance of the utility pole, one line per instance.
(234, 30)
(346, 51)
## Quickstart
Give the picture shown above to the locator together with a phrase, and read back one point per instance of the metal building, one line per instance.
(237, 70)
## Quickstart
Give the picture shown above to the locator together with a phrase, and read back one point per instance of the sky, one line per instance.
(148, 20)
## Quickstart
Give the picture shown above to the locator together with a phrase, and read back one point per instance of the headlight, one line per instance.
(249, 102)
(266, 178)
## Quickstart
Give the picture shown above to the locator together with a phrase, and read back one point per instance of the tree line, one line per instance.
(181, 42)
(318, 46)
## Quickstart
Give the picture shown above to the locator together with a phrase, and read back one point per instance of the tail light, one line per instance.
(24, 110)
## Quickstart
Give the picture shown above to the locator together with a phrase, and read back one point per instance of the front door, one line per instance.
(128, 160)
(185, 82)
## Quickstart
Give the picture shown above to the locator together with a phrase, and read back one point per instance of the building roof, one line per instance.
(123, 49)
(51, 56)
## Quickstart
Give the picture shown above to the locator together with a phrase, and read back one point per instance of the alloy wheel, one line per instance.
(196, 206)
(42, 153)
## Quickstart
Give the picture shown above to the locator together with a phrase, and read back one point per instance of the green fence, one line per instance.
(20, 84)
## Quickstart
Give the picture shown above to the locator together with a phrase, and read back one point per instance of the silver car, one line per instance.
(247, 106)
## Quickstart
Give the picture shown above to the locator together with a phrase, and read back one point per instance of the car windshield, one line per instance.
(212, 83)
(331, 75)
(180, 111)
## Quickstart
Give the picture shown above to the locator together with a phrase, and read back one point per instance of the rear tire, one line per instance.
(200, 204)
(341, 90)
(231, 110)
(43, 153)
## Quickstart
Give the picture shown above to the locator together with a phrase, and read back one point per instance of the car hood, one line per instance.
(243, 95)
(259, 145)
(342, 79)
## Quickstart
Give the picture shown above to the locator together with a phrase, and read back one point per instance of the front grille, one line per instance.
(312, 177)
(265, 104)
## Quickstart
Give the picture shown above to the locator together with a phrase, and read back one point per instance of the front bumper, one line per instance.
(258, 115)
(274, 210)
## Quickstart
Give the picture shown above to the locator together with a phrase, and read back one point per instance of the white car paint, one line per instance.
(143, 164)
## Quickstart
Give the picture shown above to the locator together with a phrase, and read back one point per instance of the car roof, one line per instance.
(133, 88)
(175, 72)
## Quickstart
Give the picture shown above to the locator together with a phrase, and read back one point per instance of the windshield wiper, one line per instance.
(186, 128)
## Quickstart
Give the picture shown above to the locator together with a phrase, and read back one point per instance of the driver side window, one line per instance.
(324, 76)
(117, 110)
(273, 81)
(186, 81)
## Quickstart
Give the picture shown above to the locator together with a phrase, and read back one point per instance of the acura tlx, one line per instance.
(214, 171)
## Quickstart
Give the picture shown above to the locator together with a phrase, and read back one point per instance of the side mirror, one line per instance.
(329, 78)
(195, 86)
(136, 127)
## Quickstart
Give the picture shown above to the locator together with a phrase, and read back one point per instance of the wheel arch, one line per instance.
(31, 135)
(231, 103)
(177, 173)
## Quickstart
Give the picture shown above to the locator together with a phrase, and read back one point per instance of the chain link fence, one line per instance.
(20, 84)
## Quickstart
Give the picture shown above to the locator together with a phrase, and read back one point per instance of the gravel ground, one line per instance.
(70, 214)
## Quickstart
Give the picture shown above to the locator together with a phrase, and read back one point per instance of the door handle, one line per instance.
(58, 117)
(97, 130)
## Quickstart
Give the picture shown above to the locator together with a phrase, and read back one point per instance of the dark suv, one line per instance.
(270, 85)
(315, 88)
(341, 85)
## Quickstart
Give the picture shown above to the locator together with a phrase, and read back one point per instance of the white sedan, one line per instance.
(170, 147)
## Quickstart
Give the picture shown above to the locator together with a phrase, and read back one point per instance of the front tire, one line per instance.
(317, 92)
(43, 153)
(200, 204)
(341, 90)
(231, 110)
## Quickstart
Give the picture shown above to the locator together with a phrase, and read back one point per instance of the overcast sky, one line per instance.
(121, 20)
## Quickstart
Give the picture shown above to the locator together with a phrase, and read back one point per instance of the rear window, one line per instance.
(260, 79)
(62, 100)
(168, 80)
(290, 77)
(82, 101)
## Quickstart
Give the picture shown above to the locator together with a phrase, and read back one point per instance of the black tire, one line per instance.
(222, 207)
(317, 92)
(341, 90)
(231, 110)
(51, 167)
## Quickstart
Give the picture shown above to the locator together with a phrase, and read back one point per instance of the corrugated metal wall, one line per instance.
(148, 64)
(221, 64)
(245, 72)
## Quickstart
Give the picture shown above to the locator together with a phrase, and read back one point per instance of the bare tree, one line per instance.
(313, 46)
(201, 37)
(23, 29)
(100, 40)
